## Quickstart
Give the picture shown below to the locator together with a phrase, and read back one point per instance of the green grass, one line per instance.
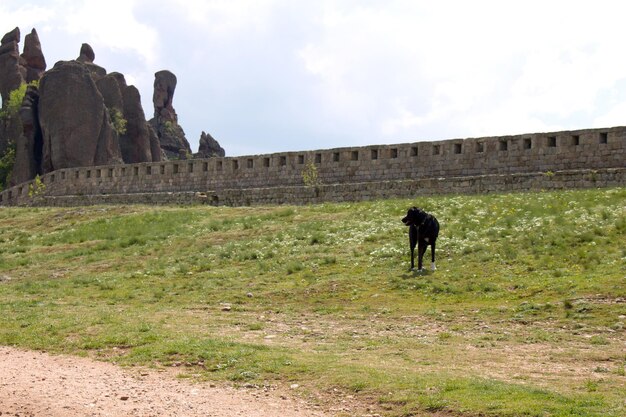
(524, 317)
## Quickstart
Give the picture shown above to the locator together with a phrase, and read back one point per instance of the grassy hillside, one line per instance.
(524, 317)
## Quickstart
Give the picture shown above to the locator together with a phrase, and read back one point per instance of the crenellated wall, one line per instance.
(591, 149)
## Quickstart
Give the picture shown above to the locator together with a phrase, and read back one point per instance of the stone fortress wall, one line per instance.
(566, 159)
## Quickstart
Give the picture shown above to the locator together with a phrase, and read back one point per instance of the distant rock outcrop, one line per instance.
(81, 116)
(165, 122)
(209, 147)
(74, 120)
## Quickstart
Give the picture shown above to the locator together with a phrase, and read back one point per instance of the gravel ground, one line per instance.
(39, 384)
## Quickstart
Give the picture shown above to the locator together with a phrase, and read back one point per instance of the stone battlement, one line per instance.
(580, 151)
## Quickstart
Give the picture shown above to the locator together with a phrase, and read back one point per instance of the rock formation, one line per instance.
(118, 97)
(111, 86)
(135, 143)
(12, 74)
(163, 97)
(71, 120)
(29, 144)
(10, 130)
(33, 59)
(74, 120)
(155, 146)
(81, 116)
(165, 122)
(86, 57)
(209, 147)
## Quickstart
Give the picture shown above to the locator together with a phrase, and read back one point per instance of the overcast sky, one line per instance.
(284, 75)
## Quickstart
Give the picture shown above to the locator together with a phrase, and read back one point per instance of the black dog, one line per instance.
(423, 231)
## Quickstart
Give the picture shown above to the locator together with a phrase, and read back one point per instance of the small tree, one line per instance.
(310, 176)
(36, 188)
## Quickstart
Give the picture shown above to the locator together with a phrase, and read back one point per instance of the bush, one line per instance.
(310, 176)
(12, 106)
(169, 128)
(6, 166)
(118, 121)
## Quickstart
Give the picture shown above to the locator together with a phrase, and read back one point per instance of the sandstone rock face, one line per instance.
(135, 143)
(111, 91)
(33, 58)
(155, 146)
(74, 120)
(165, 122)
(209, 147)
(29, 145)
(12, 74)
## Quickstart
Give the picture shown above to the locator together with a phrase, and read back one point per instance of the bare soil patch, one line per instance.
(40, 384)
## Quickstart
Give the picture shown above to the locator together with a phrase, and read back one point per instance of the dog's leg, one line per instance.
(432, 254)
(421, 249)
(412, 244)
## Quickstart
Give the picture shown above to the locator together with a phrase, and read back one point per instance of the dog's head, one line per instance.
(414, 217)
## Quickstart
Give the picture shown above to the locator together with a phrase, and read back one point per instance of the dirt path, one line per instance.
(38, 384)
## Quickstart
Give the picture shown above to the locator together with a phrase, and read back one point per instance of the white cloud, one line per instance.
(614, 117)
(14, 14)
(224, 17)
(471, 67)
(111, 24)
(355, 71)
